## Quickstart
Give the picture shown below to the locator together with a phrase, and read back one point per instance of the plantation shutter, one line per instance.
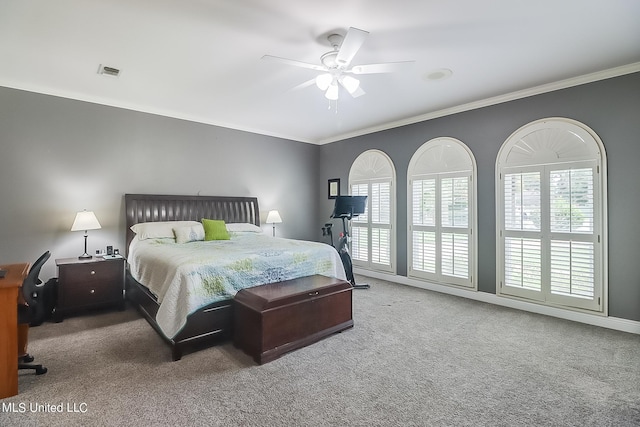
(567, 215)
(381, 223)
(572, 238)
(551, 214)
(523, 249)
(441, 213)
(359, 227)
(424, 225)
(454, 195)
(372, 241)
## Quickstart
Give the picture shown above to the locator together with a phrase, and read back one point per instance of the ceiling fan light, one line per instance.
(351, 84)
(332, 92)
(323, 81)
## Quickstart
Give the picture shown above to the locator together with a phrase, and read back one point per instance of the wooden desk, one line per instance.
(9, 291)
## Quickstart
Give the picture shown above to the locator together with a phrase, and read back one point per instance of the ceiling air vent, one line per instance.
(109, 71)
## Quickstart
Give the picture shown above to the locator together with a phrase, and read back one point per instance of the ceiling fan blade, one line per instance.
(350, 46)
(387, 67)
(294, 63)
(304, 85)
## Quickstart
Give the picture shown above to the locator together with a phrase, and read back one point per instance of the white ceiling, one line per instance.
(201, 59)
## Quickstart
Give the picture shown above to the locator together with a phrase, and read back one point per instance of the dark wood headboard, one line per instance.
(153, 208)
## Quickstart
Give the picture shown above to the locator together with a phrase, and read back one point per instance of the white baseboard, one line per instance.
(609, 322)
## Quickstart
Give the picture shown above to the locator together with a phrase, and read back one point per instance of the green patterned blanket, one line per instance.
(188, 276)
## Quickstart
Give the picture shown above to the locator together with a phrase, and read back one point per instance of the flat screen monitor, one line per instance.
(349, 206)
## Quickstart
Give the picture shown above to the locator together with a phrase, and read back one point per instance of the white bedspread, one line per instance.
(185, 277)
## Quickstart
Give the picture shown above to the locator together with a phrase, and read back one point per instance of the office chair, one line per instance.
(32, 293)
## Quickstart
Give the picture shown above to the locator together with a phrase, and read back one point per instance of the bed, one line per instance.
(179, 297)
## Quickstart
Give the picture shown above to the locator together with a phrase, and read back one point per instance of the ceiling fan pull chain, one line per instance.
(336, 105)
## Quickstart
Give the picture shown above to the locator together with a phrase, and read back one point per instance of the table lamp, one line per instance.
(85, 220)
(273, 217)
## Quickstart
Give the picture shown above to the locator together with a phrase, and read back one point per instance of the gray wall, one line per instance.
(610, 107)
(59, 156)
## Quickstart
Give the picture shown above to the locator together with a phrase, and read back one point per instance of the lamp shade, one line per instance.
(332, 92)
(323, 81)
(85, 220)
(273, 217)
(350, 83)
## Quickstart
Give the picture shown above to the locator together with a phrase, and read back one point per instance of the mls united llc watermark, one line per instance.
(22, 407)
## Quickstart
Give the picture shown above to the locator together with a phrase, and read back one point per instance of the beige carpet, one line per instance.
(414, 358)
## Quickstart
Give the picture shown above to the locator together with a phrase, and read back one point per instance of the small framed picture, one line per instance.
(334, 188)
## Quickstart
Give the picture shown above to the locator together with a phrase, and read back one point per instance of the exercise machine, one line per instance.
(346, 208)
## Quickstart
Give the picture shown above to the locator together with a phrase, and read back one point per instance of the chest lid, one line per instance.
(286, 292)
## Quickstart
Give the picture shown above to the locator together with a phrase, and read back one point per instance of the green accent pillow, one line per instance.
(215, 229)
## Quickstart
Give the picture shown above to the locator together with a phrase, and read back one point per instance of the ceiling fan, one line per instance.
(336, 65)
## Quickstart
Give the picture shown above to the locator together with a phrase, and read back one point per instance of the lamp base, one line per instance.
(85, 255)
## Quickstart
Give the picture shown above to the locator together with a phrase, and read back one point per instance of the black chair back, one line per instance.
(32, 283)
(31, 290)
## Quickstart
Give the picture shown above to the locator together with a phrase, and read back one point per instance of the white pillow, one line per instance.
(243, 226)
(189, 233)
(158, 230)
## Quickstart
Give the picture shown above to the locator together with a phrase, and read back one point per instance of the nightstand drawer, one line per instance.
(81, 275)
(91, 293)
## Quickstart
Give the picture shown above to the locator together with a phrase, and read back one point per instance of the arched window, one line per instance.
(551, 215)
(442, 213)
(372, 237)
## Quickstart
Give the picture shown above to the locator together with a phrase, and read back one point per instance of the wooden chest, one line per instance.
(273, 319)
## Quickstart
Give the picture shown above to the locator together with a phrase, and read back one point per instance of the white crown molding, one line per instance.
(140, 108)
(608, 322)
(550, 87)
(537, 90)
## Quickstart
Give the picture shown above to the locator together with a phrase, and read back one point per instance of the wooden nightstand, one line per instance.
(89, 283)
